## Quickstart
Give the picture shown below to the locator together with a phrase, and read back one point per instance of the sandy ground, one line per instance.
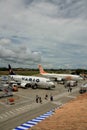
(71, 116)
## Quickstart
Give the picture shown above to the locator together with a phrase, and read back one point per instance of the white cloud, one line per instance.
(17, 53)
(53, 32)
(5, 41)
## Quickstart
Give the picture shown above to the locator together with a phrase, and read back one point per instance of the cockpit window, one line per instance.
(48, 80)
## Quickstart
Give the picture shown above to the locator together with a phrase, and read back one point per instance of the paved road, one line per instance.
(25, 107)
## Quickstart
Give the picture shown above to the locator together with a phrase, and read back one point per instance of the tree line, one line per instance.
(72, 71)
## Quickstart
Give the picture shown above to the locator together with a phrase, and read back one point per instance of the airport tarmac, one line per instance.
(25, 107)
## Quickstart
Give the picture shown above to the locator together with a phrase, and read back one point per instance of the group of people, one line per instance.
(39, 99)
(51, 97)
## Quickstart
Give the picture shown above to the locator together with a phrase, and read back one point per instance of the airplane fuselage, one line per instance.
(62, 76)
(33, 81)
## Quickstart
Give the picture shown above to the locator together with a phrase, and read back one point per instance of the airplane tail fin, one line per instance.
(10, 70)
(41, 69)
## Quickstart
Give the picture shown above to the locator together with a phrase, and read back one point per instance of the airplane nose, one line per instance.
(53, 85)
(81, 78)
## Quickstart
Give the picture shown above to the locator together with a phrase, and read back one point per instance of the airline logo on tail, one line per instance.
(10, 70)
(41, 69)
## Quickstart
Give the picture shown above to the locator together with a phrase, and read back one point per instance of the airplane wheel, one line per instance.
(28, 85)
(34, 86)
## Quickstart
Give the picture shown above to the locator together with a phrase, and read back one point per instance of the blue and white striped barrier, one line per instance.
(33, 122)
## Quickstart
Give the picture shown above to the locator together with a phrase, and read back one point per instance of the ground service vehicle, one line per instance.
(83, 88)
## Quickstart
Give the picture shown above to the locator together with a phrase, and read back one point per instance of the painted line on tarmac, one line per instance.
(71, 96)
(23, 96)
(33, 122)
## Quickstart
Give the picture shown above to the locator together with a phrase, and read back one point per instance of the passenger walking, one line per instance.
(37, 98)
(69, 89)
(40, 100)
(51, 98)
(46, 97)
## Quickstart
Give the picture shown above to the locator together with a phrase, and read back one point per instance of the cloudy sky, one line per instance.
(48, 32)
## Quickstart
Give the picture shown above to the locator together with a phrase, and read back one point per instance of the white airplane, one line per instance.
(31, 81)
(59, 77)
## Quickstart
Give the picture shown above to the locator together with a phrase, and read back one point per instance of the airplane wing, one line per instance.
(56, 79)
